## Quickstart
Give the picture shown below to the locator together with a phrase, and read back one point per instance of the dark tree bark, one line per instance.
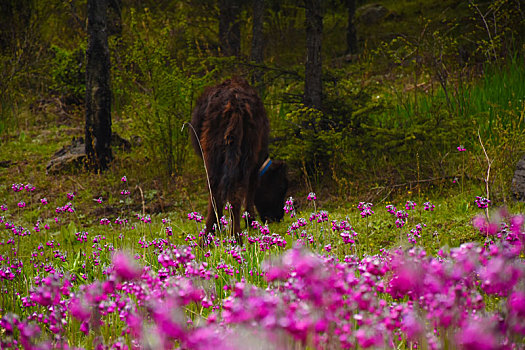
(258, 40)
(351, 36)
(229, 28)
(313, 87)
(115, 17)
(98, 92)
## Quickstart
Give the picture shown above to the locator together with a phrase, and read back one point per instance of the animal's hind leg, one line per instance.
(250, 197)
(214, 212)
(236, 218)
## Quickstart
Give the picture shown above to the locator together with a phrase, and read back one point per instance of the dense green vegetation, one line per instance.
(430, 76)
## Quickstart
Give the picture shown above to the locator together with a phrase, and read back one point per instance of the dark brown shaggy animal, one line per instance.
(232, 128)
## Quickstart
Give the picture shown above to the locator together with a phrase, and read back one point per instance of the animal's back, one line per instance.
(232, 127)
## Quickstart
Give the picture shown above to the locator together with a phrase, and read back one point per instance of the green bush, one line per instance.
(158, 90)
(311, 140)
(68, 73)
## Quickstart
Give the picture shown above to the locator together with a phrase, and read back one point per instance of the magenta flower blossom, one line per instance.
(400, 223)
(28, 332)
(289, 207)
(145, 219)
(479, 334)
(311, 196)
(391, 209)
(125, 267)
(485, 227)
(516, 224)
(66, 208)
(369, 337)
(407, 279)
(81, 236)
(79, 309)
(322, 216)
(21, 204)
(105, 221)
(410, 205)
(499, 276)
(461, 148)
(264, 229)
(84, 327)
(482, 202)
(120, 221)
(135, 324)
(516, 309)
(124, 178)
(429, 206)
(412, 326)
(17, 187)
(195, 216)
(365, 209)
(401, 214)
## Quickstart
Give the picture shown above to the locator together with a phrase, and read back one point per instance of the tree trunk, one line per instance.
(313, 87)
(351, 36)
(258, 41)
(229, 28)
(98, 93)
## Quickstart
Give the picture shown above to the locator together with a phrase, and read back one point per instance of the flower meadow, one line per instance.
(150, 282)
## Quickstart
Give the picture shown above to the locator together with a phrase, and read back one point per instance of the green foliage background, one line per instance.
(430, 76)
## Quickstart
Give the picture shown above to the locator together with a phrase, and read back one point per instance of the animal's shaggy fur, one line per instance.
(232, 128)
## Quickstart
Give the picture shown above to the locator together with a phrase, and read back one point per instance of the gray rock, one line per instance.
(68, 163)
(68, 159)
(72, 158)
(77, 146)
(518, 181)
(371, 13)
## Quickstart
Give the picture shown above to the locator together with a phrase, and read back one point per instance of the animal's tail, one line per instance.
(233, 139)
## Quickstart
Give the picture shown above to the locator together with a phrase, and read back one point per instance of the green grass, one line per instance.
(500, 93)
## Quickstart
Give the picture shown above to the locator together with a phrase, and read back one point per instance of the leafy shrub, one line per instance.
(159, 90)
(311, 140)
(68, 73)
(498, 29)
(316, 141)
